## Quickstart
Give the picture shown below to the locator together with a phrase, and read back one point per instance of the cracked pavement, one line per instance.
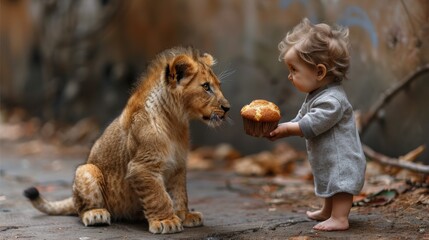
(230, 210)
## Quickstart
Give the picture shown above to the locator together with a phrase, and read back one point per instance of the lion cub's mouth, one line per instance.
(215, 119)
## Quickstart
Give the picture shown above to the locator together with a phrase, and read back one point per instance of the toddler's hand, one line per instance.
(279, 132)
(285, 130)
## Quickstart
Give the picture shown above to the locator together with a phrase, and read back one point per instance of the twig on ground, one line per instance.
(409, 157)
(401, 162)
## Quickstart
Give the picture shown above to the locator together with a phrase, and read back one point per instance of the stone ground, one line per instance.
(233, 207)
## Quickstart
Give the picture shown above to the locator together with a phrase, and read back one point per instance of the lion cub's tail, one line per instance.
(63, 207)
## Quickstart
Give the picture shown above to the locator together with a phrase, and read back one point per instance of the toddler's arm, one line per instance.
(285, 130)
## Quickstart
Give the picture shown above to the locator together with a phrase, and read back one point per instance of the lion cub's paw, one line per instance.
(193, 219)
(94, 217)
(170, 225)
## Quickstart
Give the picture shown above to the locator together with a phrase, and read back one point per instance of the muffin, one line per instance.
(260, 117)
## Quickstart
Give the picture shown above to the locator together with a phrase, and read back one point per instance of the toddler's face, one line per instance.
(301, 74)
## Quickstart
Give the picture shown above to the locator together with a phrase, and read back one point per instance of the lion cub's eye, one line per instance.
(206, 86)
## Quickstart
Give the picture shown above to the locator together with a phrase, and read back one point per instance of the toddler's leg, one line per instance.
(339, 220)
(322, 214)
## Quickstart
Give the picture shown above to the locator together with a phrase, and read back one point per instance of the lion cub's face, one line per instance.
(194, 81)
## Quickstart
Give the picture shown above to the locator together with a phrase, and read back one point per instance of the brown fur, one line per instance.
(137, 168)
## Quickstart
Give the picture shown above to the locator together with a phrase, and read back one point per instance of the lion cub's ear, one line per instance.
(208, 59)
(180, 71)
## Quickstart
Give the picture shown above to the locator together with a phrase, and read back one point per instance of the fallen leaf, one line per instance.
(381, 198)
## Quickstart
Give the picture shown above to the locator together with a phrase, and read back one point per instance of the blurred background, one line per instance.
(67, 67)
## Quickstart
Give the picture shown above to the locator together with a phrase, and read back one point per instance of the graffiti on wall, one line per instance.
(356, 16)
(352, 16)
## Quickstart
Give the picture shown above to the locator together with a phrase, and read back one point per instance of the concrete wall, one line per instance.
(389, 40)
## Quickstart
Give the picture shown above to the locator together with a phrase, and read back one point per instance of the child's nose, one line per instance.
(289, 77)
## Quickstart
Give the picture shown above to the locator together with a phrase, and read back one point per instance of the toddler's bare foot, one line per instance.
(318, 215)
(333, 224)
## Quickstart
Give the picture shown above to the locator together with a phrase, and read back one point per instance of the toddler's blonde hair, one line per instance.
(319, 44)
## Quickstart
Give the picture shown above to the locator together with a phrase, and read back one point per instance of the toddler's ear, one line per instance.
(321, 71)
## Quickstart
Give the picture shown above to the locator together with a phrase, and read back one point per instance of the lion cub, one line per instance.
(137, 168)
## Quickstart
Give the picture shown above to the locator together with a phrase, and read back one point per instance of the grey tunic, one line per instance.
(334, 149)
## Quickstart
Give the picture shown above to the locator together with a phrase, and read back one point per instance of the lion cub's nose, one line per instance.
(225, 108)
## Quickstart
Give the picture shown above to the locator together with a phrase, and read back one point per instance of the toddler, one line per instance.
(318, 59)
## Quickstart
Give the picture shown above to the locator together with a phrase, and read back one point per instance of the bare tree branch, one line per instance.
(388, 95)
